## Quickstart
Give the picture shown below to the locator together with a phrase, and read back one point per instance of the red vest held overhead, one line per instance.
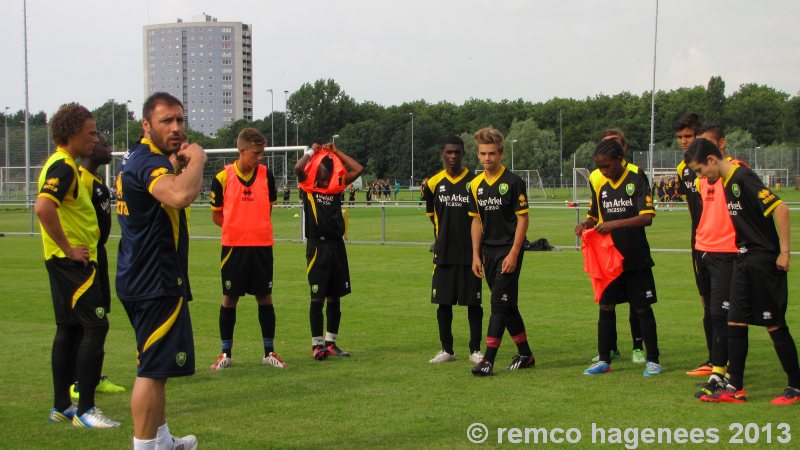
(336, 186)
(246, 210)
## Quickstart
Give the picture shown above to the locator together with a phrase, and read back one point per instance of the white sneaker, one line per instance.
(476, 357)
(222, 362)
(273, 360)
(188, 442)
(442, 356)
(93, 418)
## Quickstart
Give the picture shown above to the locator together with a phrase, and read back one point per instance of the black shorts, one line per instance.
(164, 341)
(504, 286)
(327, 269)
(636, 287)
(714, 280)
(102, 275)
(246, 270)
(455, 285)
(759, 292)
(75, 288)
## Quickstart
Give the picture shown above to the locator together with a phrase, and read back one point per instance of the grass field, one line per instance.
(387, 395)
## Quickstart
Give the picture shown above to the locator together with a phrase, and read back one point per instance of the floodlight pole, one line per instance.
(27, 131)
(512, 154)
(127, 138)
(560, 148)
(286, 121)
(113, 139)
(272, 116)
(653, 103)
(412, 149)
(5, 126)
(333, 139)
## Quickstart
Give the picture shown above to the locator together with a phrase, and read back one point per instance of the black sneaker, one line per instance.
(334, 350)
(710, 388)
(522, 362)
(482, 369)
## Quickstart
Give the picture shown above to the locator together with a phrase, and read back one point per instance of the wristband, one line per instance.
(310, 152)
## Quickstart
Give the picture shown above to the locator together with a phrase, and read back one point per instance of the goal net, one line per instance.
(580, 183)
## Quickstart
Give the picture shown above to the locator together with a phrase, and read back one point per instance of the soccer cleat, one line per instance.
(482, 369)
(705, 370)
(598, 368)
(107, 387)
(334, 350)
(637, 356)
(652, 369)
(319, 353)
(728, 394)
(74, 392)
(93, 418)
(522, 362)
(790, 395)
(63, 416)
(188, 442)
(273, 360)
(710, 388)
(476, 357)
(443, 356)
(222, 362)
(614, 355)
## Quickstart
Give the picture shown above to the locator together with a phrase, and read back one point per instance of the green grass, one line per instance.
(387, 395)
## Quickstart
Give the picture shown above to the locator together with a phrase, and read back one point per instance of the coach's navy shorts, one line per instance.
(636, 287)
(759, 292)
(455, 285)
(327, 269)
(75, 287)
(164, 341)
(504, 286)
(246, 270)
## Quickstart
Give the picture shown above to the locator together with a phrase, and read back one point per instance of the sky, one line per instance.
(396, 51)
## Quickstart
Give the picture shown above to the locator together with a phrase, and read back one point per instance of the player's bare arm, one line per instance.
(179, 191)
(781, 216)
(47, 211)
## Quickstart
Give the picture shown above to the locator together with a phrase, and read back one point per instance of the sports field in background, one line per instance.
(387, 395)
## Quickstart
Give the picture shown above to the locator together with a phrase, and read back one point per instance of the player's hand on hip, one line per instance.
(79, 254)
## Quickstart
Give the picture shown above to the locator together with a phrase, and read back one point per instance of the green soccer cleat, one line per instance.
(637, 356)
(106, 386)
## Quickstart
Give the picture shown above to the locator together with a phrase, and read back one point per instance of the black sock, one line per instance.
(227, 322)
(316, 318)
(516, 328)
(737, 355)
(475, 317)
(647, 319)
(497, 325)
(636, 330)
(90, 364)
(606, 334)
(333, 313)
(708, 328)
(63, 359)
(719, 349)
(266, 318)
(444, 317)
(787, 354)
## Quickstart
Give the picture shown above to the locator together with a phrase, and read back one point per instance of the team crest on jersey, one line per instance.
(736, 191)
(180, 359)
(180, 281)
(503, 188)
(315, 288)
(227, 284)
(100, 312)
(434, 292)
(630, 188)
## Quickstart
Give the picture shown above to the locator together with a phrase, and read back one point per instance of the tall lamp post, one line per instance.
(5, 117)
(512, 154)
(285, 120)
(272, 116)
(334, 139)
(127, 138)
(560, 149)
(412, 149)
(113, 140)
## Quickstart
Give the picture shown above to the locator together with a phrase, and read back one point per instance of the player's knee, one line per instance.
(501, 308)
(607, 308)
(264, 299)
(229, 301)
(777, 330)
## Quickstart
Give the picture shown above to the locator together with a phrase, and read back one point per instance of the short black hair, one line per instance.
(453, 139)
(700, 150)
(713, 128)
(155, 99)
(687, 120)
(611, 148)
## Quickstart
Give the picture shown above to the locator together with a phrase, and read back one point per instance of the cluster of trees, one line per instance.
(381, 136)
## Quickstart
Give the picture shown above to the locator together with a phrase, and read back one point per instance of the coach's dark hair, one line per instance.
(155, 99)
(610, 148)
(453, 139)
(712, 128)
(687, 120)
(700, 150)
(68, 122)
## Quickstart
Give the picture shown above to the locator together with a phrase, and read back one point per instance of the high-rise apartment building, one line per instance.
(206, 64)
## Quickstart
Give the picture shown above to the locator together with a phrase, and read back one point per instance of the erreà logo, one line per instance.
(736, 191)
(503, 188)
(630, 188)
(180, 359)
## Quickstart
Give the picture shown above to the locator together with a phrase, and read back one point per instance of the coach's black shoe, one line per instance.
(522, 362)
(334, 350)
(710, 388)
(482, 369)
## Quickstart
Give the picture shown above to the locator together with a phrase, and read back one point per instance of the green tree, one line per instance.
(715, 99)
(761, 110)
(535, 149)
(323, 109)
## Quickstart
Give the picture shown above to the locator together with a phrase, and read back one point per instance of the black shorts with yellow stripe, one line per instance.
(455, 285)
(164, 340)
(246, 270)
(77, 298)
(327, 269)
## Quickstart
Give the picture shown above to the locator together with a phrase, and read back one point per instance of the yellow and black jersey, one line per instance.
(59, 181)
(751, 205)
(498, 203)
(447, 201)
(627, 197)
(323, 215)
(220, 182)
(687, 188)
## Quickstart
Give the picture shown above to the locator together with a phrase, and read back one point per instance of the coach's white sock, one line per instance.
(163, 438)
(144, 444)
